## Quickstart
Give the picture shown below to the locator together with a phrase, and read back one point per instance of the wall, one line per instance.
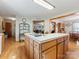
(69, 25)
(47, 24)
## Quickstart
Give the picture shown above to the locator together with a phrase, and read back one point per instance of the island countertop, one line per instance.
(46, 37)
(46, 46)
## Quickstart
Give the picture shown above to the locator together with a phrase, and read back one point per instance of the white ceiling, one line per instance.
(30, 9)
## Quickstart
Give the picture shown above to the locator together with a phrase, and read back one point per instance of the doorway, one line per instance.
(8, 29)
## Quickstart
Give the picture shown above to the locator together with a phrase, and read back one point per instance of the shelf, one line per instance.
(23, 28)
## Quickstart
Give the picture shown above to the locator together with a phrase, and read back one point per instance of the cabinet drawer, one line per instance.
(60, 40)
(48, 45)
(36, 45)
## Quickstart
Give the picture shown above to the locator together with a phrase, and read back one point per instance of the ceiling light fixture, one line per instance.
(44, 4)
(11, 18)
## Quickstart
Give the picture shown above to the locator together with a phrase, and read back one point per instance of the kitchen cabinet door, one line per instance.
(27, 47)
(50, 53)
(66, 45)
(60, 51)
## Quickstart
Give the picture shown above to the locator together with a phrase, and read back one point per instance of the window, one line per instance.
(75, 27)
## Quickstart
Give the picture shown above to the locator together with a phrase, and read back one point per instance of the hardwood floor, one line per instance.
(73, 52)
(13, 50)
(16, 50)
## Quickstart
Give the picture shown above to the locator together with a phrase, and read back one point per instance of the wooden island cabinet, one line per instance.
(50, 53)
(53, 48)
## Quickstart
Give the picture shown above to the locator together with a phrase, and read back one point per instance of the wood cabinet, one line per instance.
(36, 53)
(66, 45)
(36, 50)
(60, 48)
(31, 48)
(60, 52)
(54, 49)
(27, 47)
(50, 53)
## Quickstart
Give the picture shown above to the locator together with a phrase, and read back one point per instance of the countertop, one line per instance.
(46, 37)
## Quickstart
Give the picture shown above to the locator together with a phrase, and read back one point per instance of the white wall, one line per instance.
(69, 25)
(47, 24)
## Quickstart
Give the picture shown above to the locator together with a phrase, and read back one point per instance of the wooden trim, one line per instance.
(62, 16)
(56, 51)
(33, 49)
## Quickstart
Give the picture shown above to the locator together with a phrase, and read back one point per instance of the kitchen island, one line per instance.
(47, 46)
